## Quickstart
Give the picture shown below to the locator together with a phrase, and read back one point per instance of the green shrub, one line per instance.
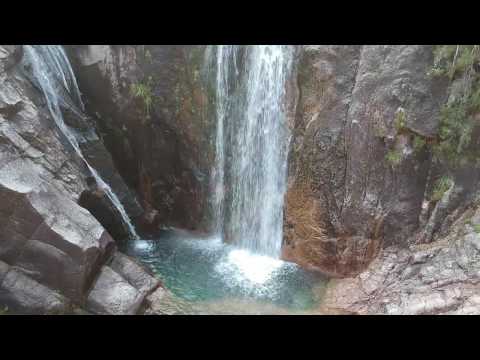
(457, 118)
(418, 143)
(455, 133)
(440, 187)
(454, 60)
(4, 310)
(393, 157)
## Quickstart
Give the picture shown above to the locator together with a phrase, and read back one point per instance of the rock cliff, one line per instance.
(55, 257)
(370, 199)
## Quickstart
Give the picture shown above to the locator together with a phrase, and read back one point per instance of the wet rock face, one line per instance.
(96, 201)
(393, 99)
(150, 106)
(42, 230)
(353, 170)
(317, 159)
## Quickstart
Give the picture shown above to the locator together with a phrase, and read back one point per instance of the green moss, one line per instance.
(476, 228)
(393, 157)
(440, 187)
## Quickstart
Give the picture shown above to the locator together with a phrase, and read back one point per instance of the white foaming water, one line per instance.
(143, 245)
(254, 274)
(253, 267)
(52, 71)
(239, 267)
(252, 145)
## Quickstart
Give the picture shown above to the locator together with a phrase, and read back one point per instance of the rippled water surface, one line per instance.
(206, 276)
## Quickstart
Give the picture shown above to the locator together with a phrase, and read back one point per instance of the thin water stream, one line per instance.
(52, 72)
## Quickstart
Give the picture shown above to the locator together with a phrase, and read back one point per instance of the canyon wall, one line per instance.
(362, 201)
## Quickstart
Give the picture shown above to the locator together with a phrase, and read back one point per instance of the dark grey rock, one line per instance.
(52, 238)
(3, 270)
(26, 296)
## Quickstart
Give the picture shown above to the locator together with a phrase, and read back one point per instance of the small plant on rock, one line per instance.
(400, 120)
(476, 228)
(441, 186)
(144, 92)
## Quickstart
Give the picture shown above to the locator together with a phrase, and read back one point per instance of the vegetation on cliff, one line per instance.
(461, 64)
(143, 91)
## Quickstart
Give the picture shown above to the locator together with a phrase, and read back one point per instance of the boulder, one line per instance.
(113, 295)
(438, 278)
(52, 238)
(24, 295)
(136, 275)
(161, 302)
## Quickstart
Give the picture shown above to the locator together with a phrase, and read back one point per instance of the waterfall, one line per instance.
(53, 73)
(252, 145)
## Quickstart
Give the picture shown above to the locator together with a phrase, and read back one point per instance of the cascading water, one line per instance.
(53, 73)
(252, 145)
(240, 263)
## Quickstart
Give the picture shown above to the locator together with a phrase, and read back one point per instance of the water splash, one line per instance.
(53, 73)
